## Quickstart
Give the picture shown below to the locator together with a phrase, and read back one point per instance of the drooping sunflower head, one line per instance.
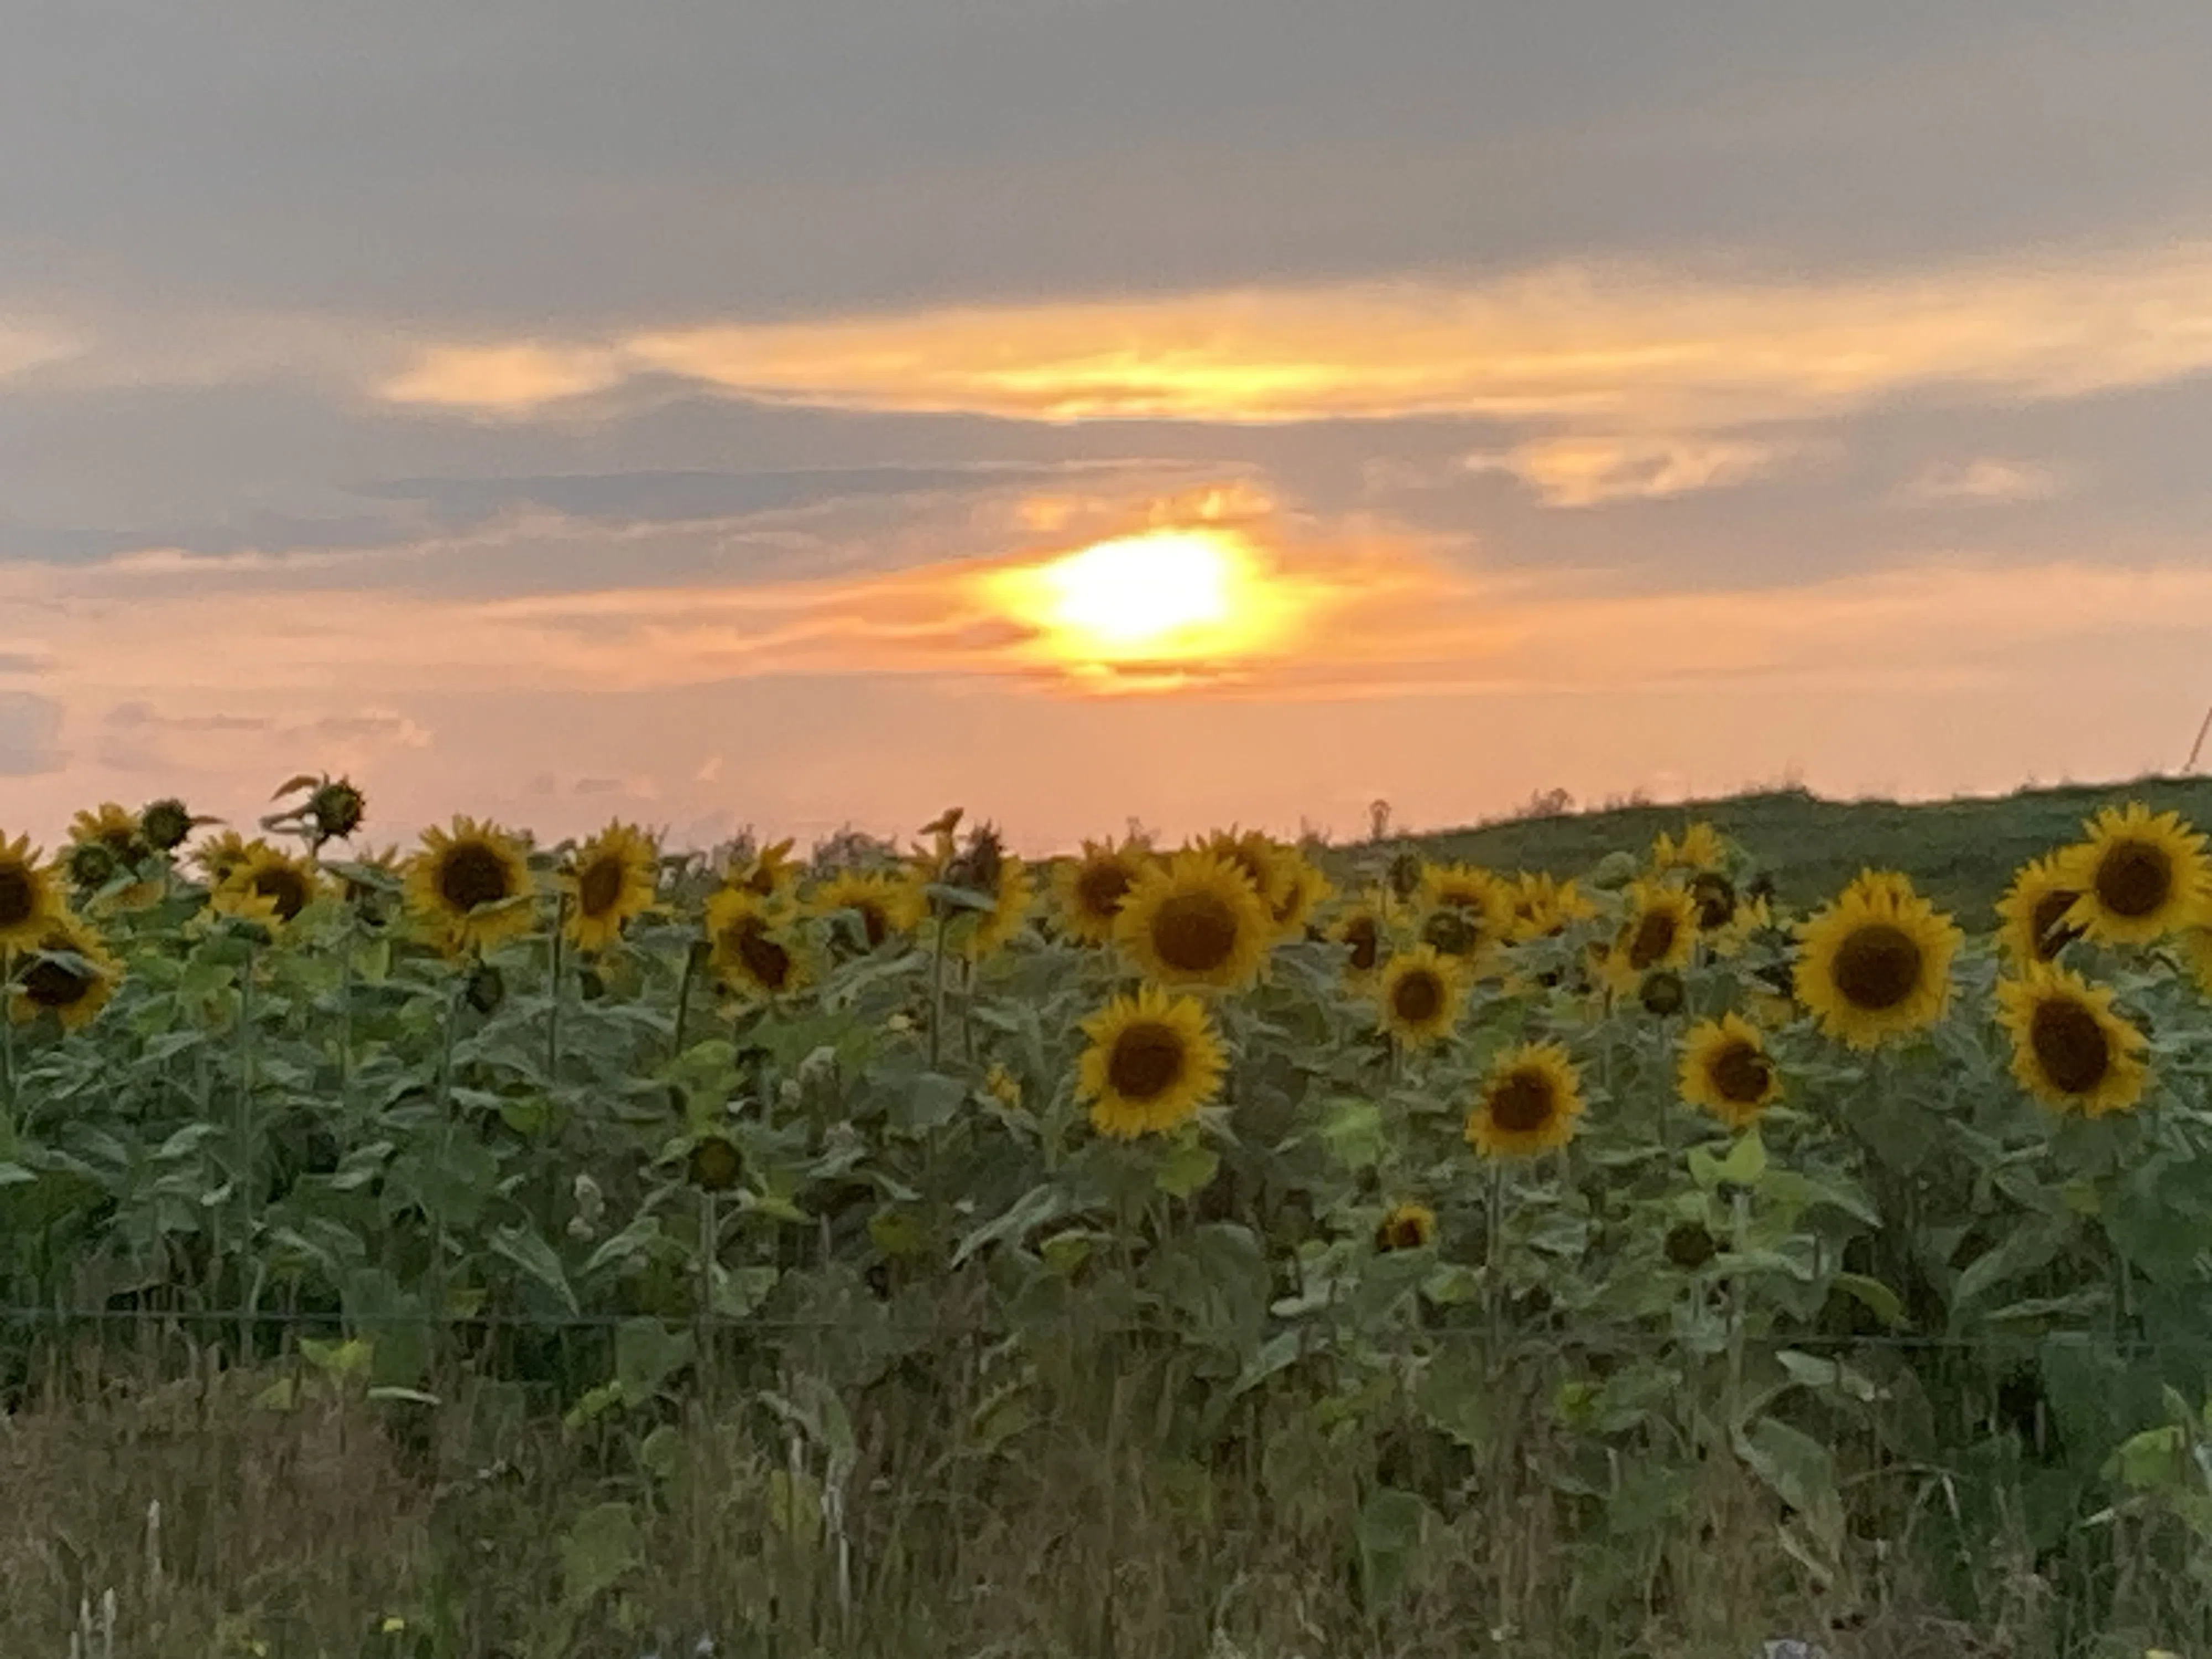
(471, 885)
(751, 947)
(1699, 848)
(1418, 994)
(30, 903)
(1875, 964)
(2069, 1048)
(336, 808)
(1406, 1227)
(609, 885)
(1658, 931)
(268, 886)
(2139, 878)
(1088, 892)
(887, 904)
(1359, 930)
(70, 975)
(2031, 915)
(1194, 920)
(1725, 1069)
(1465, 910)
(1153, 1060)
(1528, 1102)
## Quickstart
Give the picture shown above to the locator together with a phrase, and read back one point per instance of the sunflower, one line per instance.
(267, 885)
(1700, 849)
(1359, 931)
(1528, 1102)
(1303, 889)
(220, 853)
(1752, 917)
(749, 945)
(1465, 910)
(1544, 906)
(2031, 915)
(1406, 1227)
(2140, 877)
(29, 902)
(1264, 861)
(104, 841)
(1195, 919)
(764, 874)
(1726, 1069)
(471, 885)
(1660, 929)
(1089, 890)
(2068, 1047)
(1875, 962)
(113, 827)
(609, 884)
(1153, 1062)
(1013, 891)
(886, 904)
(75, 989)
(1419, 994)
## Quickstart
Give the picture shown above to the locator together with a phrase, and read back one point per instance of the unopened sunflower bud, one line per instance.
(1662, 993)
(165, 824)
(715, 1164)
(90, 865)
(338, 808)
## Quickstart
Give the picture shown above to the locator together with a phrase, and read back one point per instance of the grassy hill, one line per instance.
(1960, 852)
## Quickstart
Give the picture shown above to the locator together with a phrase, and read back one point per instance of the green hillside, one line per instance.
(1961, 853)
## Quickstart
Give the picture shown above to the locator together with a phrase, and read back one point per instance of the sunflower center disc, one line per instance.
(769, 963)
(1417, 999)
(1716, 900)
(1877, 967)
(1367, 944)
(1741, 1073)
(600, 886)
(472, 874)
(1194, 932)
(2051, 937)
(1521, 1104)
(875, 925)
(53, 985)
(285, 886)
(1101, 888)
(1655, 937)
(1147, 1060)
(2134, 879)
(2070, 1045)
(16, 896)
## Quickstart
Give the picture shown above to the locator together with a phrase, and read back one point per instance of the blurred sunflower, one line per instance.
(471, 885)
(72, 976)
(2031, 915)
(218, 856)
(1725, 1068)
(1406, 1227)
(113, 827)
(1358, 929)
(1261, 858)
(266, 884)
(1875, 963)
(2140, 877)
(749, 946)
(1195, 919)
(1528, 1102)
(887, 905)
(1013, 891)
(1419, 994)
(609, 884)
(1303, 889)
(765, 873)
(1088, 892)
(103, 844)
(2069, 1048)
(1465, 910)
(1544, 906)
(30, 903)
(1153, 1062)
(1700, 849)
(2197, 954)
(1661, 927)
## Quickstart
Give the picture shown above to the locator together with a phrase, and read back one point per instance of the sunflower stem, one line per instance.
(937, 992)
(244, 1129)
(691, 958)
(553, 997)
(1739, 1224)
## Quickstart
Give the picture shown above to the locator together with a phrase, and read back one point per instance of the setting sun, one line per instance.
(1162, 596)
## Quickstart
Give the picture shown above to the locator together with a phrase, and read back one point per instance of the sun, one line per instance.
(1162, 596)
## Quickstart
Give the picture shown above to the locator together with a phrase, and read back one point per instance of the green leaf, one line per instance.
(1876, 1297)
(602, 1545)
(1353, 1131)
(2027, 1248)
(1187, 1167)
(1389, 1532)
(528, 1250)
(646, 1354)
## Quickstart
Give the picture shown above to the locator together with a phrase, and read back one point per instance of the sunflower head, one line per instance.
(1659, 931)
(2139, 878)
(1528, 1102)
(30, 903)
(1153, 1060)
(167, 825)
(765, 873)
(471, 885)
(1359, 931)
(1418, 994)
(1544, 906)
(1406, 1227)
(751, 945)
(715, 1164)
(1726, 1070)
(70, 975)
(1303, 889)
(336, 808)
(1262, 859)
(887, 904)
(1689, 1245)
(1088, 892)
(1012, 892)
(2032, 916)
(1699, 848)
(609, 885)
(113, 827)
(2070, 1049)
(1662, 993)
(1465, 910)
(1874, 965)
(267, 885)
(1194, 920)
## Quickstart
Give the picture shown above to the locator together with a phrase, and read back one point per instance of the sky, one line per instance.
(687, 414)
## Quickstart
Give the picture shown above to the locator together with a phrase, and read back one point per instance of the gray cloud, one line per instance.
(30, 730)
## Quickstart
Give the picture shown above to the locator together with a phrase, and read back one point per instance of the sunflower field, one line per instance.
(1237, 1248)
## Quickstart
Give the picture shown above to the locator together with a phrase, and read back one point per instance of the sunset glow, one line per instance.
(1164, 596)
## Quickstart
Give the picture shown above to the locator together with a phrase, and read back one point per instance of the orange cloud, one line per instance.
(1588, 471)
(1613, 348)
